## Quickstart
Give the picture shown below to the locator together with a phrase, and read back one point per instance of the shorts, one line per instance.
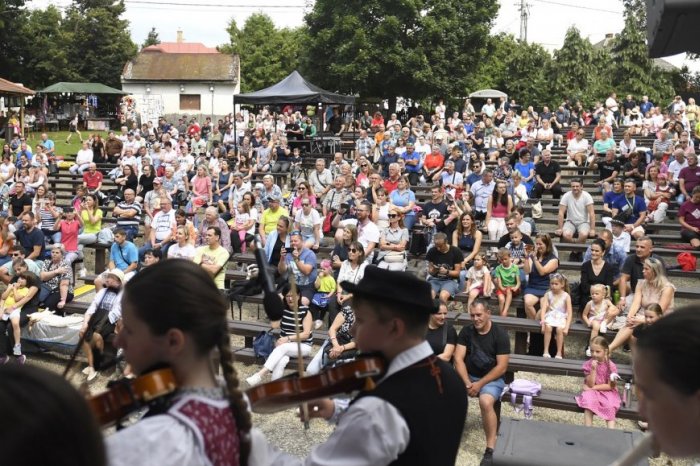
(439, 284)
(494, 388)
(582, 228)
(501, 293)
(14, 314)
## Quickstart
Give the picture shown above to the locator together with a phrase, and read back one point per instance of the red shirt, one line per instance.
(193, 129)
(389, 185)
(92, 180)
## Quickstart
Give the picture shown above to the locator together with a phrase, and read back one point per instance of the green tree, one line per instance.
(580, 71)
(12, 16)
(267, 54)
(410, 48)
(98, 41)
(152, 38)
(633, 71)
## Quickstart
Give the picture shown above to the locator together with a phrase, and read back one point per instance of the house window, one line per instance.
(190, 102)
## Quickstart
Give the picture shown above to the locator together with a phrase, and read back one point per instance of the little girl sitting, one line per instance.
(595, 314)
(478, 280)
(13, 294)
(241, 224)
(599, 396)
(555, 312)
(325, 290)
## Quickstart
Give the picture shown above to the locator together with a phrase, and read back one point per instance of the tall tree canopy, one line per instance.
(12, 16)
(389, 48)
(267, 54)
(98, 41)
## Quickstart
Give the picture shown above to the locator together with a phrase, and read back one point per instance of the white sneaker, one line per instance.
(279, 368)
(318, 324)
(91, 374)
(253, 380)
(588, 351)
(86, 371)
(82, 272)
(546, 355)
(603, 327)
(17, 350)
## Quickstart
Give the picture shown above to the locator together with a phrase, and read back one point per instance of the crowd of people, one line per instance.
(192, 187)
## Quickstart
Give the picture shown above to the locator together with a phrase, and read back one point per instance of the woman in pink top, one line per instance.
(497, 209)
(201, 188)
(69, 225)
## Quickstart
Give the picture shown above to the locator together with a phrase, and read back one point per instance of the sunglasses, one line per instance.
(363, 165)
(352, 250)
(393, 215)
(15, 254)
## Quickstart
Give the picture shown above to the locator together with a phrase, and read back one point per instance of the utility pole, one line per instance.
(524, 13)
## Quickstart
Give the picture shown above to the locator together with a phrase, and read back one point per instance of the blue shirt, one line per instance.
(636, 203)
(412, 156)
(645, 107)
(125, 255)
(402, 199)
(307, 256)
(48, 145)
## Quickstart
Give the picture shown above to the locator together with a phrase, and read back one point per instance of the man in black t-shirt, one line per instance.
(512, 225)
(444, 265)
(547, 176)
(434, 212)
(21, 201)
(608, 169)
(481, 360)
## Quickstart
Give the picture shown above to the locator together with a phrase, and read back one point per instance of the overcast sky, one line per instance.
(206, 20)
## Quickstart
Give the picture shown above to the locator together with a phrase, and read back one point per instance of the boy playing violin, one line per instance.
(416, 413)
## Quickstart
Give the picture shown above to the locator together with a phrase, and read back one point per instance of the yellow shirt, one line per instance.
(10, 300)
(219, 257)
(269, 219)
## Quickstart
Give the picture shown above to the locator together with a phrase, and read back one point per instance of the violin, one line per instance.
(126, 396)
(288, 392)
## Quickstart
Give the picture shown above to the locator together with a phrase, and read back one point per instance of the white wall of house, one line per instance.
(167, 98)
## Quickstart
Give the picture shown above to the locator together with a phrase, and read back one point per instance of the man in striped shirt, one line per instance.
(128, 214)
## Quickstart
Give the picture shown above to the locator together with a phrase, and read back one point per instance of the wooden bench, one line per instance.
(565, 401)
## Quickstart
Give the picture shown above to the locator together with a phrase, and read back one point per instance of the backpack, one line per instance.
(105, 236)
(263, 344)
(527, 389)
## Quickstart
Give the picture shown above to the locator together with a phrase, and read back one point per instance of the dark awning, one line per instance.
(293, 89)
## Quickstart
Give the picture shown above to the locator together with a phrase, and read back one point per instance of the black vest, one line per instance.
(432, 399)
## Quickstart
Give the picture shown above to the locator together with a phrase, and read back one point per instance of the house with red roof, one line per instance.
(182, 78)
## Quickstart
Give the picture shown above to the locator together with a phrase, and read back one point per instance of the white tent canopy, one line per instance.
(488, 94)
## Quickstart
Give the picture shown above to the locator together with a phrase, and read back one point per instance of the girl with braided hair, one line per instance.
(203, 422)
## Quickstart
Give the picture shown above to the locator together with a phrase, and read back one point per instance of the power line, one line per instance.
(211, 5)
(602, 10)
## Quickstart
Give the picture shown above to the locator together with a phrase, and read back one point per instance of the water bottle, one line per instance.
(616, 297)
(626, 395)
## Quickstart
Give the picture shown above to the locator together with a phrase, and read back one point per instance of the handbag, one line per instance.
(328, 222)
(105, 236)
(419, 243)
(320, 299)
(394, 257)
(264, 343)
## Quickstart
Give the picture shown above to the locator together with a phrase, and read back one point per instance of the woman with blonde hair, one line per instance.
(393, 242)
(654, 288)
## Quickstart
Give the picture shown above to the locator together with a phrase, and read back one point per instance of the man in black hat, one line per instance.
(416, 413)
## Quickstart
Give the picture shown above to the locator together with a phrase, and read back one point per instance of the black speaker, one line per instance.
(524, 442)
(671, 27)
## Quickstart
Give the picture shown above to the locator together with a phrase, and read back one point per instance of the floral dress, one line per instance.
(556, 312)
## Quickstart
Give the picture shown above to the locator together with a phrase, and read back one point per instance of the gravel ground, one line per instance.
(283, 429)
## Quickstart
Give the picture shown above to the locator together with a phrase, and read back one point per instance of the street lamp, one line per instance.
(211, 89)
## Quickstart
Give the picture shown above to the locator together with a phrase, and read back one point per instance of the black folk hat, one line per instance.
(402, 288)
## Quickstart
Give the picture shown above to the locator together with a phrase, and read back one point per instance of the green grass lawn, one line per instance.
(59, 138)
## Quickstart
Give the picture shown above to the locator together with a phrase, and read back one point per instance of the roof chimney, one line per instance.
(181, 39)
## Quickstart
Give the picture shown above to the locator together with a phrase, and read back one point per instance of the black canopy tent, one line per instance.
(293, 89)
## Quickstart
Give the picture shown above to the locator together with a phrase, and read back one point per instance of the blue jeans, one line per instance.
(409, 221)
(131, 231)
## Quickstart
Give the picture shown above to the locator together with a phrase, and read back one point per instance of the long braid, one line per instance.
(239, 408)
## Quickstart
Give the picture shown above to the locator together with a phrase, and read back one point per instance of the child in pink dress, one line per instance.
(599, 396)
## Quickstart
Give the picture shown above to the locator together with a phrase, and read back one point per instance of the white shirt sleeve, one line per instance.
(370, 422)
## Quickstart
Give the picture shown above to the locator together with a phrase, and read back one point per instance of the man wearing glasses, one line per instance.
(18, 264)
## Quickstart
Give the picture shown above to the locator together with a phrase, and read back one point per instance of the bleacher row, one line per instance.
(63, 185)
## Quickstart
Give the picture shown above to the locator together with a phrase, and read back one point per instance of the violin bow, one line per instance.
(297, 330)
